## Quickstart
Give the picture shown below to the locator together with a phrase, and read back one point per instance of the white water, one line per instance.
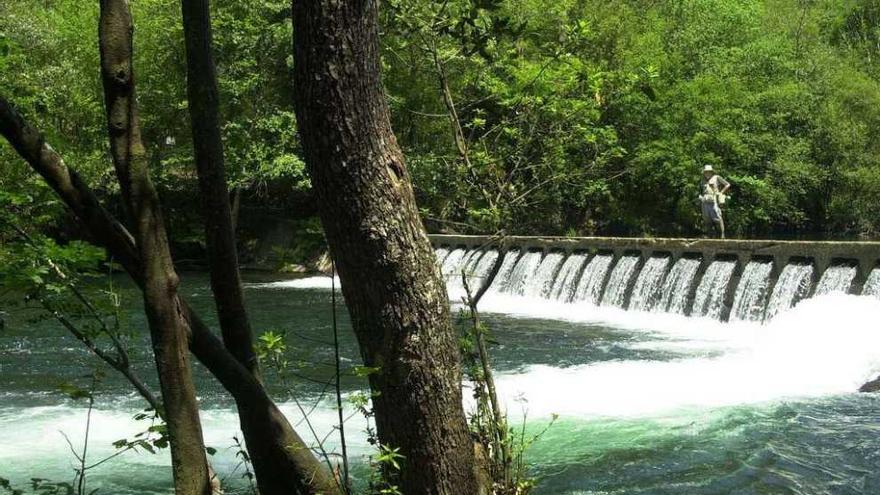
(566, 280)
(315, 282)
(794, 356)
(590, 286)
(541, 280)
(518, 278)
(648, 284)
(836, 279)
(793, 285)
(441, 254)
(872, 285)
(615, 290)
(709, 299)
(652, 287)
(752, 291)
(677, 286)
(502, 278)
(476, 266)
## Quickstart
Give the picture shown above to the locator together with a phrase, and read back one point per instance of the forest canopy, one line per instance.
(574, 117)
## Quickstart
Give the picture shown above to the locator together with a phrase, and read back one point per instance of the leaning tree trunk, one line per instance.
(168, 327)
(305, 474)
(277, 453)
(390, 279)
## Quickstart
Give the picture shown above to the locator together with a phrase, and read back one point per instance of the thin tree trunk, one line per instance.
(204, 101)
(301, 471)
(390, 279)
(168, 328)
(269, 444)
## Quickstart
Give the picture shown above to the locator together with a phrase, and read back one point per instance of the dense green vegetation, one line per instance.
(576, 117)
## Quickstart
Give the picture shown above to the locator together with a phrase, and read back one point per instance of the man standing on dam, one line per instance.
(713, 190)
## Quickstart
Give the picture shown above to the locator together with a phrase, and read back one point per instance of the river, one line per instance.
(647, 403)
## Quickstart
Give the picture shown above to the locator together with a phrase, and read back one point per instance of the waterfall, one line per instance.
(564, 286)
(541, 280)
(521, 273)
(872, 285)
(589, 287)
(615, 291)
(709, 299)
(793, 285)
(677, 286)
(648, 284)
(453, 263)
(837, 278)
(752, 291)
(502, 278)
(476, 265)
(441, 253)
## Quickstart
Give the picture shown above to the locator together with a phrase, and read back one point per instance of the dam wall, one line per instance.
(723, 279)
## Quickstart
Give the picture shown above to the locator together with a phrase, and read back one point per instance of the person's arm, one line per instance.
(724, 184)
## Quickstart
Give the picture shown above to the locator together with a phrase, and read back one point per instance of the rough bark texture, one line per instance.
(390, 279)
(168, 327)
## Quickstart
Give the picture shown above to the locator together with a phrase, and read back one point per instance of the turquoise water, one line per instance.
(647, 404)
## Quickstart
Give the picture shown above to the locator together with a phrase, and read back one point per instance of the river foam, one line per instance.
(825, 346)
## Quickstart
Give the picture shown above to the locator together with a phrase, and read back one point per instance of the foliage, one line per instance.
(595, 117)
(579, 117)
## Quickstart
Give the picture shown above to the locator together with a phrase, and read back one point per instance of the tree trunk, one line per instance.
(204, 101)
(278, 444)
(168, 328)
(390, 278)
(278, 470)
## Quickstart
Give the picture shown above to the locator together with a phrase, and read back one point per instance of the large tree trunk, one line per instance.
(168, 327)
(304, 473)
(278, 469)
(390, 279)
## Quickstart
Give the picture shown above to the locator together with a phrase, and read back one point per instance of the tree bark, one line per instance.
(278, 444)
(204, 101)
(168, 327)
(277, 469)
(390, 278)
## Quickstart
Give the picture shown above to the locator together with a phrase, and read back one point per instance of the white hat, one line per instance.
(708, 168)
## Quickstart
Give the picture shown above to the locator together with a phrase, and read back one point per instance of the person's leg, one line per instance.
(708, 224)
(719, 220)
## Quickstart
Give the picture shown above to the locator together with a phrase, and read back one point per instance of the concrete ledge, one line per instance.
(821, 253)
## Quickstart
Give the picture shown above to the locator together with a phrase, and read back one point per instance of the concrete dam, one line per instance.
(729, 280)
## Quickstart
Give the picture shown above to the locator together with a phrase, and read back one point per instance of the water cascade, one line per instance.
(441, 254)
(589, 287)
(752, 292)
(690, 286)
(648, 284)
(564, 286)
(615, 291)
(677, 286)
(518, 279)
(793, 285)
(452, 263)
(541, 280)
(709, 299)
(503, 276)
(836, 279)
(476, 266)
(872, 285)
